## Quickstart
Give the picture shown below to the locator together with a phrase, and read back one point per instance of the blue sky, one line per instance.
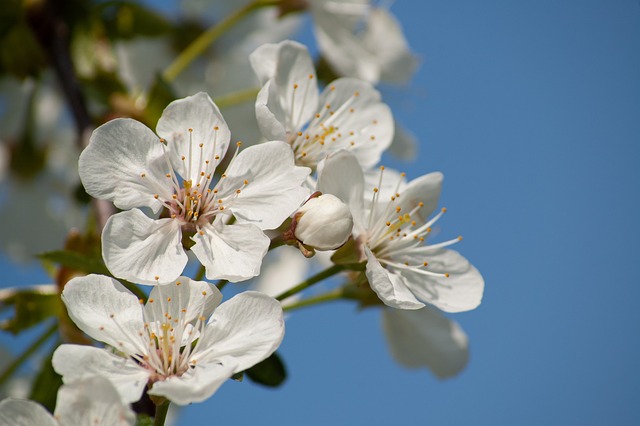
(532, 111)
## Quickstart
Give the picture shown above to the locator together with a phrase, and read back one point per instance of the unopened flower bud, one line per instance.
(324, 223)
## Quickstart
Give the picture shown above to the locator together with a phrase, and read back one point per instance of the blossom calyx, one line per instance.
(324, 222)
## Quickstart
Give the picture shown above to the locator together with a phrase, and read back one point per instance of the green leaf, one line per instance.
(160, 95)
(31, 306)
(44, 388)
(271, 372)
(77, 261)
(127, 20)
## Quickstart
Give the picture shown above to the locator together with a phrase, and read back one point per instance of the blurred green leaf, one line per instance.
(128, 20)
(20, 53)
(44, 388)
(160, 95)
(31, 306)
(76, 261)
(270, 372)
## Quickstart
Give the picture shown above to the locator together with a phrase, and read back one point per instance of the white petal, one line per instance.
(77, 362)
(231, 252)
(91, 302)
(361, 123)
(120, 152)
(249, 327)
(197, 384)
(92, 401)
(17, 412)
(385, 39)
(269, 113)
(377, 51)
(274, 188)
(341, 175)
(144, 250)
(462, 291)
(202, 116)
(187, 300)
(264, 61)
(426, 338)
(425, 189)
(292, 76)
(389, 287)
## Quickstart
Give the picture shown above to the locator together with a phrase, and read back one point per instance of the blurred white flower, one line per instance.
(167, 344)
(38, 168)
(363, 41)
(402, 269)
(424, 338)
(93, 401)
(348, 114)
(128, 164)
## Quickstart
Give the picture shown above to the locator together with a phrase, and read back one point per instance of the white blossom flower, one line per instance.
(167, 344)
(347, 115)
(128, 164)
(323, 222)
(363, 41)
(424, 338)
(92, 401)
(402, 269)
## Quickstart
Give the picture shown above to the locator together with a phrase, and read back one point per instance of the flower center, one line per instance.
(396, 237)
(330, 129)
(192, 201)
(170, 336)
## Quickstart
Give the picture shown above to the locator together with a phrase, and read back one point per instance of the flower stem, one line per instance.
(236, 98)
(336, 294)
(161, 414)
(201, 43)
(310, 281)
(28, 352)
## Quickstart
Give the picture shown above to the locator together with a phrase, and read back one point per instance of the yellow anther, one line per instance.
(190, 130)
(155, 196)
(446, 275)
(216, 128)
(238, 143)
(375, 189)
(142, 175)
(295, 86)
(246, 182)
(444, 209)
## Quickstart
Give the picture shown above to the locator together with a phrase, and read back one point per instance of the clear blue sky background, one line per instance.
(532, 111)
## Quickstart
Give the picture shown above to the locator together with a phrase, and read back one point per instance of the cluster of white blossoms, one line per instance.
(188, 202)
